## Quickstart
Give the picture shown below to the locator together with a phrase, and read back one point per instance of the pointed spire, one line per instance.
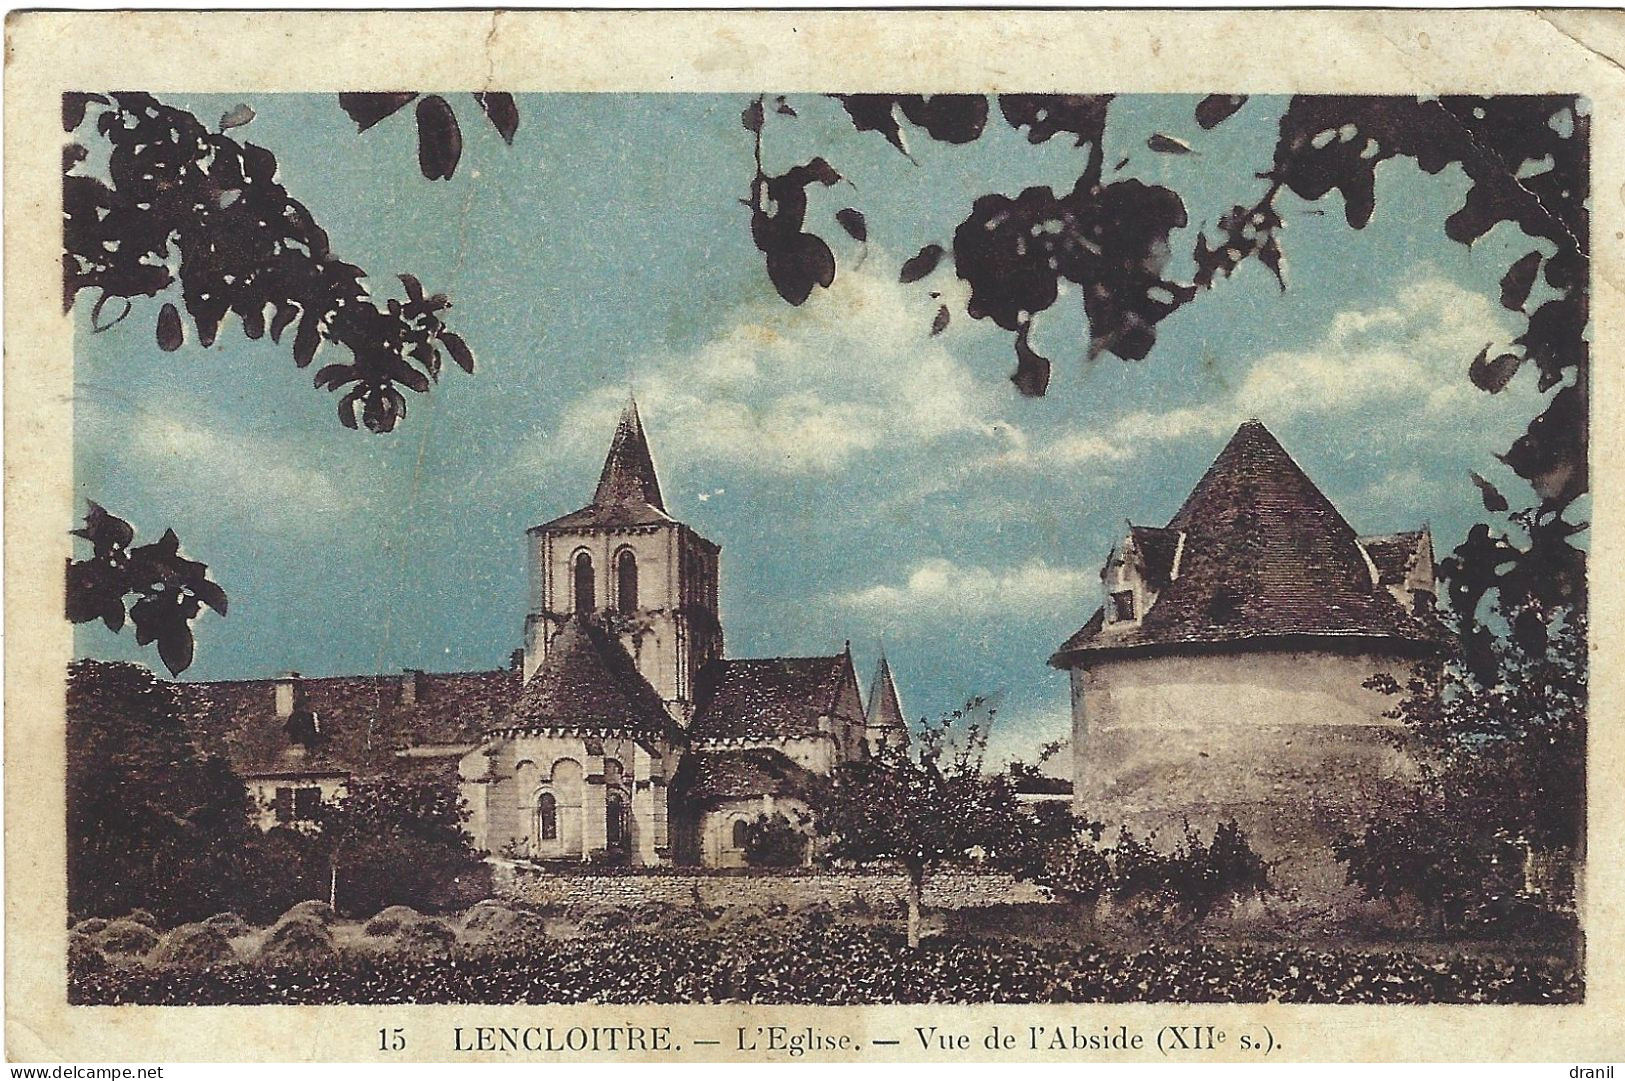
(885, 707)
(629, 476)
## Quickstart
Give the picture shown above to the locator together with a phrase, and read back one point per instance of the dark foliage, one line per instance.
(1500, 786)
(440, 140)
(775, 842)
(152, 822)
(400, 842)
(837, 966)
(159, 590)
(196, 208)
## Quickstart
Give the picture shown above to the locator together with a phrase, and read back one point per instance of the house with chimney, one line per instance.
(620, 731)
(1224, 674)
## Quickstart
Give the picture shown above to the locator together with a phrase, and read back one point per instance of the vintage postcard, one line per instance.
(790, 536)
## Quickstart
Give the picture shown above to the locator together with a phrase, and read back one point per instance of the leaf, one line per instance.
(853, 222)
(459, 350)
(73, 108)
(1031, 376)
(414, 288)
(175, 646)
(210, 594)
(1494, 501)
(170, 332)
(922, 264)
(940, 323)
(335, 376)
(368, 109)
(782, 107)
(1519, 279)
(1493, 375)
(1270, 256)
(306, 341)
(796, 267)
(1167, 144)
(440, 142)
(239, 115)
(751, 118)
(502, 112)
(874, 112)
(1215, 109)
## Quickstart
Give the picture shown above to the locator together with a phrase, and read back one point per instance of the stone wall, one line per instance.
(945, 889)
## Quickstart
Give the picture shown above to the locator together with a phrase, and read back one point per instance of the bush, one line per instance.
(195, 945)
(391, 920)
(229, 924)
(127, 936)
(493, 919)
(297, 940)
(320, 911)
(83, 956)
(143, 917)
(426, 938)
(650, 913)
(774, 842)
(604, 918)
(92, 926)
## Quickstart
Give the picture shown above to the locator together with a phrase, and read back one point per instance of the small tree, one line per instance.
(775, 842)
(391, 841)
(1498, 735)
(922, 808)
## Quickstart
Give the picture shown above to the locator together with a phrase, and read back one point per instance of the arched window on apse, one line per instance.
(626, 581)
(586, 601)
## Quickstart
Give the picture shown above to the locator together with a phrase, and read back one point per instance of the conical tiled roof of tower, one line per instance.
(885, 708)
(628, 489)
(1264, 554)
(589, 681)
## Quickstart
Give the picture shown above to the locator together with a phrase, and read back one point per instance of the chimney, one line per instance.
(411, 683)
(287, 694)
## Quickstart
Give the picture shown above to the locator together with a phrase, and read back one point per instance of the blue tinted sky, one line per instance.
(865, 480)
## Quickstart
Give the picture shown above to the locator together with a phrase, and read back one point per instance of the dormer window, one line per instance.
(1122, 607)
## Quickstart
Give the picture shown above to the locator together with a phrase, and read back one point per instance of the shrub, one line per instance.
(492, 919)
(604, 918)
(127, 936)
(143, 917)
(83, 956)
(650, 913)
(92, 926)
(195, 945)
(391, 920)
(774, 842)
(320, 911)
(298, 940)
(229, 924)
(426, 938)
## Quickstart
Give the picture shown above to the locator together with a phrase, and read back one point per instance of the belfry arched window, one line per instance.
(626, 581)
(586, 601)
(547, 817)
(741, 832)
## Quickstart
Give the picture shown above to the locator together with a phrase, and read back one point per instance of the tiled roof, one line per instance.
(1157, 549)
(361, 721)
(777, 696)
(1266, 555)
(710, 777)
(1393, 555)
(588, 680)
(628, 491)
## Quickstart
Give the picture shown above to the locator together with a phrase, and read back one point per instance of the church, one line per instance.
(620, 733)
(1224, 676)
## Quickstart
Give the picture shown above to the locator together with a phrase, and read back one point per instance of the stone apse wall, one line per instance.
(946, 889)
(1289, 743)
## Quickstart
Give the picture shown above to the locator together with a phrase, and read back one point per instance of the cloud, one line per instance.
(937, 589)
(250, 470)
(807, 390)
(1399, 368)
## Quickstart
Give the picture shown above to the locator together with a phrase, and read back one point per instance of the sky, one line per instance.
(868, 482)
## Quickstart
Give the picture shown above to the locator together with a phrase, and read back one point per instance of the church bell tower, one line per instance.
(625, 563)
